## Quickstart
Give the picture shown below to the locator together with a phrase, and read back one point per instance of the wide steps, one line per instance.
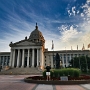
(21, 71)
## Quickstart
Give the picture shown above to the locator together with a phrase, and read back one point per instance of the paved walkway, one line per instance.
(15, 82)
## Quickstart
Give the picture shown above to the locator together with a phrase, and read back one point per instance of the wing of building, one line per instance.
(31, 52)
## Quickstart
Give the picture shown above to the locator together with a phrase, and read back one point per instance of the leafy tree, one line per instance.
(82, 62)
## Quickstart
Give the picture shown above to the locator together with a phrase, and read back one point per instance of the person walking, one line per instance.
(48, 72)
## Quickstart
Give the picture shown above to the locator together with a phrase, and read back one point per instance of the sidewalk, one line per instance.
(62, 87)
(15, 82)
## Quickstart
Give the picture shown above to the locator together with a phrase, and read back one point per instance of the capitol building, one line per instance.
(31, 52)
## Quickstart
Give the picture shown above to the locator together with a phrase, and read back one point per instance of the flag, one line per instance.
(83, 48)
(77, 47)
(88, 45)
(52, 45)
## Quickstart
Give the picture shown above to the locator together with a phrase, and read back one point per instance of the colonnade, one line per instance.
(4, 60)
(64, 59)
(31, 57)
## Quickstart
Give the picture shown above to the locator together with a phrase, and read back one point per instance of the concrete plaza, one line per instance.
(15, 82)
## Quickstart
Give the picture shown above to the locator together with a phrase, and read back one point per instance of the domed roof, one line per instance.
(36, 35)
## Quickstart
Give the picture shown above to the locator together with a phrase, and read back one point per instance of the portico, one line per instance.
(27, 57)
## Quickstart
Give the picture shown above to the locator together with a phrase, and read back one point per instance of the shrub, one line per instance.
(44, 73)
(76, 73)
(63, 72)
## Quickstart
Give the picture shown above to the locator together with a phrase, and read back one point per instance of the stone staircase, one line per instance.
(22, 71)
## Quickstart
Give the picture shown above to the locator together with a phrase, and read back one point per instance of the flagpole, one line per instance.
(53, 54)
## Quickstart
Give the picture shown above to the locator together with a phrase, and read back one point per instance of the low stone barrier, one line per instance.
(58, 82)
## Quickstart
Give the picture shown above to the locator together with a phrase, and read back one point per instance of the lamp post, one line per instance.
(54, 63)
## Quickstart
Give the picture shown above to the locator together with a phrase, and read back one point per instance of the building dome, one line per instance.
(36, 35)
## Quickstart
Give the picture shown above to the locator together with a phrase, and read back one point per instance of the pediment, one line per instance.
(25, 43)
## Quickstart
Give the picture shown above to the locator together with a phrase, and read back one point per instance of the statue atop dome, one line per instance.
(36, 27)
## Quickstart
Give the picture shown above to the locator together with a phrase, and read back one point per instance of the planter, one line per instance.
(56, 81)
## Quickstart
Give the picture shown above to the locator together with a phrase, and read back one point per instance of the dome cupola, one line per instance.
(36, 35)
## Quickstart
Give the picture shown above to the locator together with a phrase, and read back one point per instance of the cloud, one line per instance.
(69, 33)
(79, 35)
(18, 28)
(82, 14)
(73, 11)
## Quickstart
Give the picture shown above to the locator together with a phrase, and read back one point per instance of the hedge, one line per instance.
(73, 72)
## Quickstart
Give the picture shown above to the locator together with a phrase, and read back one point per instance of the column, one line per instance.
(37, 58)
(13, 58)
(28, 58)
(32, 57)
(6, 60)
(52, 65)
(41, 63)
(66, 60)
(63, 60)
(42, 60)
(0, 60)
(18, 58)
(3, 62)
(23, 56)
(70, 57)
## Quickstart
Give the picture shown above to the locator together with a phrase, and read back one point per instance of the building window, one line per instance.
(60, 57)
(75, 55)
(83, 54)
(64, 60)
(68, 59)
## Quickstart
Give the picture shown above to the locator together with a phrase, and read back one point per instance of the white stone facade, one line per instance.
(32, 57)
(31, 52)
(26, 57)
(65, 57)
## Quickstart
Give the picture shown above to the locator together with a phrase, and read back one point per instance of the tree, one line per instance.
(82, 62)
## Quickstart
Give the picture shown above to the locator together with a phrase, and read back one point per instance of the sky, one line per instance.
(66, 22)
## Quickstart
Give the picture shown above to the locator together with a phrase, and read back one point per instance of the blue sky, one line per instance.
(66, 22)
